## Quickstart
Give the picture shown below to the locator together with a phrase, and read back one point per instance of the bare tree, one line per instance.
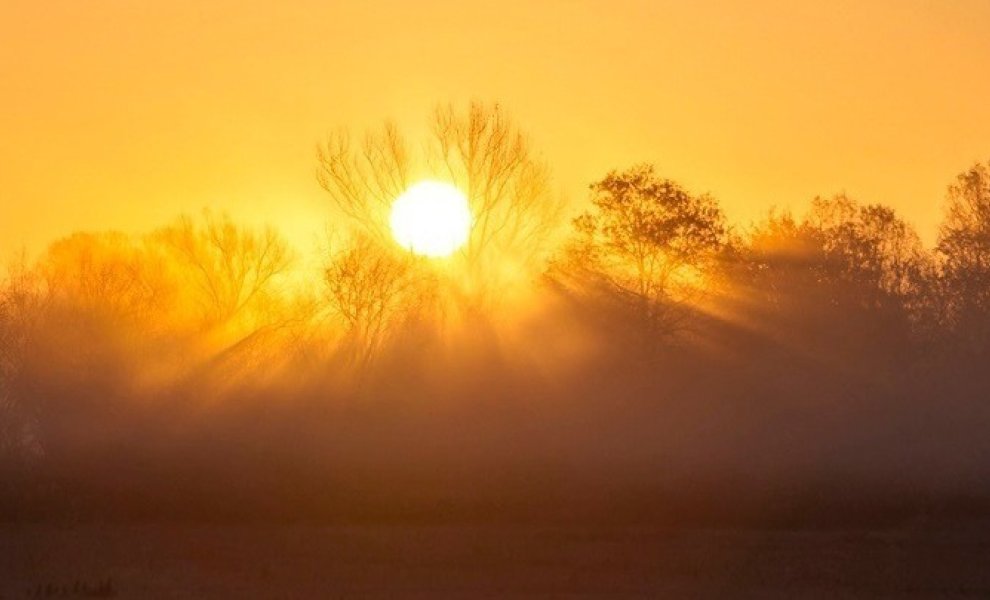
(232, 270)
(373, 290)
(482, 152)
(108, 274)
(23, 302)
(364, 181)
(108, 299)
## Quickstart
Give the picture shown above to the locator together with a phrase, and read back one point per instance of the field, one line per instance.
(458, 561)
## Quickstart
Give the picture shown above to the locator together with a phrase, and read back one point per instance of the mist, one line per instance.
(821, 368)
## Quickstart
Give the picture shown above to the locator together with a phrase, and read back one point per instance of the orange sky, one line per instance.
(122, 114)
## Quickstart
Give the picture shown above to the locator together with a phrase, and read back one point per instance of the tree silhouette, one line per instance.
(108, 297)
(847, 285)
(649, 242)
(373, 289)
(107, 275)
(363, 182)
(482, 152)
(872, 249)
(234, 296)
(231, 270)
(23, 303)
(964, 257)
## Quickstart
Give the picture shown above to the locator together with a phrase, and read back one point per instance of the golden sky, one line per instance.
(124, 113)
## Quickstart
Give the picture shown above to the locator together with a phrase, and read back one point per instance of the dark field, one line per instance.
(224, 561)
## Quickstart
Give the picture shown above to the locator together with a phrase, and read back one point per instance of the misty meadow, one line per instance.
(641, 360)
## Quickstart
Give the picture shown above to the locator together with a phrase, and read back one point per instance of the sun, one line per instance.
(431, 218)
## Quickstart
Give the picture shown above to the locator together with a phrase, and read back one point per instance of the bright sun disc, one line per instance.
(431, 218)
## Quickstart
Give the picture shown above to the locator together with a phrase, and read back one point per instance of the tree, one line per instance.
(781, 258)
(231, 270)
(508, 188)
(363, 182)
(872, 249)
(373, 289)
(106, 275)
(845, 285)
(963, 250)
(110, 298)
(23, 302)
(231, 279)
(863, 256)
(483, 153)
(649, 242)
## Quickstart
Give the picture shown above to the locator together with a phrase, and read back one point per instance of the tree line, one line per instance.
(209, 305)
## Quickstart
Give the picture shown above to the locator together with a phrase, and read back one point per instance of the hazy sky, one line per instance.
(122, 114)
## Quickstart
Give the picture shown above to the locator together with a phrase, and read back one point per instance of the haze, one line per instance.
(534, 298)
